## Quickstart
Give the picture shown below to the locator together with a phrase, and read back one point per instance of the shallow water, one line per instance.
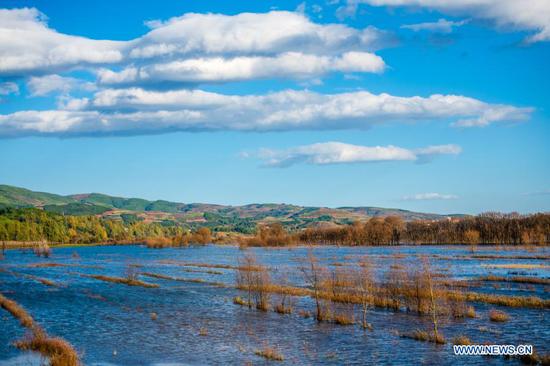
(111, 323)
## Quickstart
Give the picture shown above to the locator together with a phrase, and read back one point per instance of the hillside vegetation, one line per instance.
(243, 219)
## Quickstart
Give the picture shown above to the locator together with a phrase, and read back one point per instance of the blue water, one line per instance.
(112, 324)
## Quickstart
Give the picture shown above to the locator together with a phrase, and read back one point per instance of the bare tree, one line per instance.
(245, 275)
(313, 276)
(364, 285)
(433, 303)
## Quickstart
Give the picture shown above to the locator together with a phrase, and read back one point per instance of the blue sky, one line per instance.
(440, 108)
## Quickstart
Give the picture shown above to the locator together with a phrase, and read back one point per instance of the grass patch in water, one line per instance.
(57, 350)
(518, 279)
(498, 316)
(124, 281)
(421, 335)
(462, 340)
(270, 353)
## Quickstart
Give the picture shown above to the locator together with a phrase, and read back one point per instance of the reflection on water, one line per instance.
(112, 324)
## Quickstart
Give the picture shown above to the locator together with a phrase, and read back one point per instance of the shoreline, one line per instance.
(30, 245)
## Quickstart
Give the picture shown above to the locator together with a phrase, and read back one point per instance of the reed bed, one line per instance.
(58, 351)
(421, 335)
(181, 279)
(517, 279)
(122, 280)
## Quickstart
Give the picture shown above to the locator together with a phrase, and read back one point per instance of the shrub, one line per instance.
(498, 316)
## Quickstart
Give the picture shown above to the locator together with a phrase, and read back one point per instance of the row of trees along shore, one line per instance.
(488, 228)
(34, 225)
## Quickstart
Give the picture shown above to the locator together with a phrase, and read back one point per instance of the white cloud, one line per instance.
(193, 48)
(8, 87)
(28, 45)
(341, 153)
(221, 69)
(187, 109)
(527, 15)
(429, 197)
(250, 33)
(44, 85)
(441, 26)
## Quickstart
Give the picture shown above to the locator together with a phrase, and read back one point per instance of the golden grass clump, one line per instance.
(305, 314)
(343, 319)
(125, 281)
(421, 335)
(471, 312)
(462, 340)
(17, 312)
(282, 309)
(270, 353)
(203, 332)
(59, 351)
(498, 316)
(239, 301)
(517, 279)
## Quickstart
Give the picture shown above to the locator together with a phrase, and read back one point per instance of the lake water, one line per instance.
(111, 324)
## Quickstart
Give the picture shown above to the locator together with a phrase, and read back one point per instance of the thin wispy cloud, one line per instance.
(544, 192)
(8, 88)
(440, 26)
(429, 197)
(527, 15)
(341, 153)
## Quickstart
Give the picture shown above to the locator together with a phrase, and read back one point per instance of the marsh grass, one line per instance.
(498, 316)
(270, 353)
(17, 312)
(57, 350)
(517, 279)
(343, 319)
(180, 279)
(462, 340)
(421, 335)
(517, 266)
(122, 280)
(240, 301)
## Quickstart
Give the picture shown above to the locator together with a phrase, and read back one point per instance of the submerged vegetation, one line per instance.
(122, 280)
(58, 351)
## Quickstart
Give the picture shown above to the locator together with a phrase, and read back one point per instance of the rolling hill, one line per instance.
(197, 213)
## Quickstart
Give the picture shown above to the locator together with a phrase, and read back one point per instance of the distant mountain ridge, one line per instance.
(161, 210)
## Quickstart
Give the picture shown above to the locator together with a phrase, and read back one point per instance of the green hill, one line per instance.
(225, 217)
(21, 197)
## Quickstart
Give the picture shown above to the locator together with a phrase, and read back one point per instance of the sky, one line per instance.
(428, 105)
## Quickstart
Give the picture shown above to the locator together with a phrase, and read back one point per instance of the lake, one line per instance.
(197, 323)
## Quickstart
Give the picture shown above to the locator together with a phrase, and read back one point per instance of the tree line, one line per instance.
(33, 225)
(487, 228)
